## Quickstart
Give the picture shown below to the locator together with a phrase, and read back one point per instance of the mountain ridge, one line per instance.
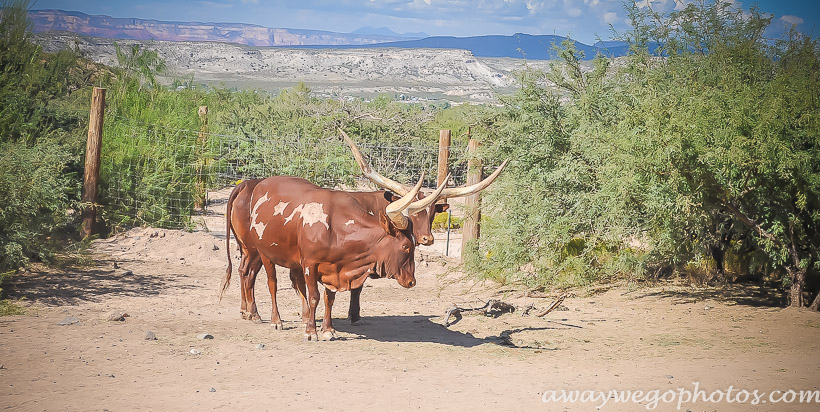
(519, 45)
(147, 29)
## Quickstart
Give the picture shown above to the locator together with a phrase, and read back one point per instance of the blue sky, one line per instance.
(584, 20)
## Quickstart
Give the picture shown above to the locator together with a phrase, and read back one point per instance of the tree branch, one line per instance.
(752, 224)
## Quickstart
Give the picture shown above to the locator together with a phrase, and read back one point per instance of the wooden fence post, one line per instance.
(472, 203)
(200, 195)
(92, 161)
(443, 157)
(443, 169)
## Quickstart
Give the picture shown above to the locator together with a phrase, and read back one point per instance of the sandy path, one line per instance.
(402, 358)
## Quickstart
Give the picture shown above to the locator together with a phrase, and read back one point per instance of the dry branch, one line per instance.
(493, 308)
(553, 306)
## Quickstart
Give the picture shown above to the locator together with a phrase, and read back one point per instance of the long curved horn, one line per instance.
(371, 174)
(395, 209)
(468, 190)
(419, 205)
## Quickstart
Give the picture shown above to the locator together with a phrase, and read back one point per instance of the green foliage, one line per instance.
(440, 222)
(651, 164)
(39, 143)
(36, 200)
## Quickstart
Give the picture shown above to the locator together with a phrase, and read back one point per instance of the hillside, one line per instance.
(142, 29)
(417, 74)
(531, 47)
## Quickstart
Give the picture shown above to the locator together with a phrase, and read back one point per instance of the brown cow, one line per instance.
(326, 236)
(371, 201)
(238, 219)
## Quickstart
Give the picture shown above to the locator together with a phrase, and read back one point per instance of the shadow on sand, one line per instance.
(420, 328)
(745, 294)
(72, 286)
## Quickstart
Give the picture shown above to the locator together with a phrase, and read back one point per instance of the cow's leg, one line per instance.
(254, 266)
(243, 274)
(353, 312)
(328, 333)
(275, 320)
(298, 281)
(312, 283)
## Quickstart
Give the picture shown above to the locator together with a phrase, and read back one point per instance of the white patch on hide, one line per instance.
(371, 213)
(280, 208)
(274, 244)
(311, 213)
(258, 226)
(349, 222)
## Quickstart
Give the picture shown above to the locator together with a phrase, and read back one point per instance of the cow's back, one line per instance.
(290, 217)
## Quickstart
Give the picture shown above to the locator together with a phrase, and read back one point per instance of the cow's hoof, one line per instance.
(358, 322)
(278, 325)
(311, 337)
(256, 319)
(245, 315)
(329, 335)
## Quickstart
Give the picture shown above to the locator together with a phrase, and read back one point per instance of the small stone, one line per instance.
(155, 234)
(707, 307)
(203, 336)
(668, 376)
(128, 273)
(150, 335)
(216, 247)
(195, 352)
(260, 346)
(212, 390)
(69, 320)
(117, 316)
(116, 266)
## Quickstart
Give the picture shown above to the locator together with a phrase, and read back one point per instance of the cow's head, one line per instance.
(395, 254)
(422, 220)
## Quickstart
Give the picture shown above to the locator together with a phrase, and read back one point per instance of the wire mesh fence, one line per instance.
(159, 176)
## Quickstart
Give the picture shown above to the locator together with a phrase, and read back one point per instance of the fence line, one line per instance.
(150, 172)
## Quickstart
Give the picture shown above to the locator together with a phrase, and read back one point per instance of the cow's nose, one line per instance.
(411, 283)
(426, 240)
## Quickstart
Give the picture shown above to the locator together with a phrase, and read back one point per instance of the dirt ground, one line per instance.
(628, 337)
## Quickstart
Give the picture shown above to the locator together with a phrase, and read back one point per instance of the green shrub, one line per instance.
(440, 221)
(37, 195)
(40, 171)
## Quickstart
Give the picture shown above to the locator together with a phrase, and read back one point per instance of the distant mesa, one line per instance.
(384, 31)
(520, 45)
(143, 29)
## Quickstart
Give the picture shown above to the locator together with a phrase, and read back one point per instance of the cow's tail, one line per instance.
(228, 229)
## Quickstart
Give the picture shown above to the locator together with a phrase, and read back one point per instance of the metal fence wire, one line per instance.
(157, 175)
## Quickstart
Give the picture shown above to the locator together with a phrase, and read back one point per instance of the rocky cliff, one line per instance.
(141, 29)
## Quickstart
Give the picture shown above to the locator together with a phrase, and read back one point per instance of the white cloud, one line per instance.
(534, 6)
(658, 5)
(569, 7)
(610, 17)
(792, 20)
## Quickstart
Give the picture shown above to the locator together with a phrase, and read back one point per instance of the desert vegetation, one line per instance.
(703, 158)
(699, 158)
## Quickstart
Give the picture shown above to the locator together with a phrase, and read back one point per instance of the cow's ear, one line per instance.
(391, 197)
(442, 207)
(387, 225)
